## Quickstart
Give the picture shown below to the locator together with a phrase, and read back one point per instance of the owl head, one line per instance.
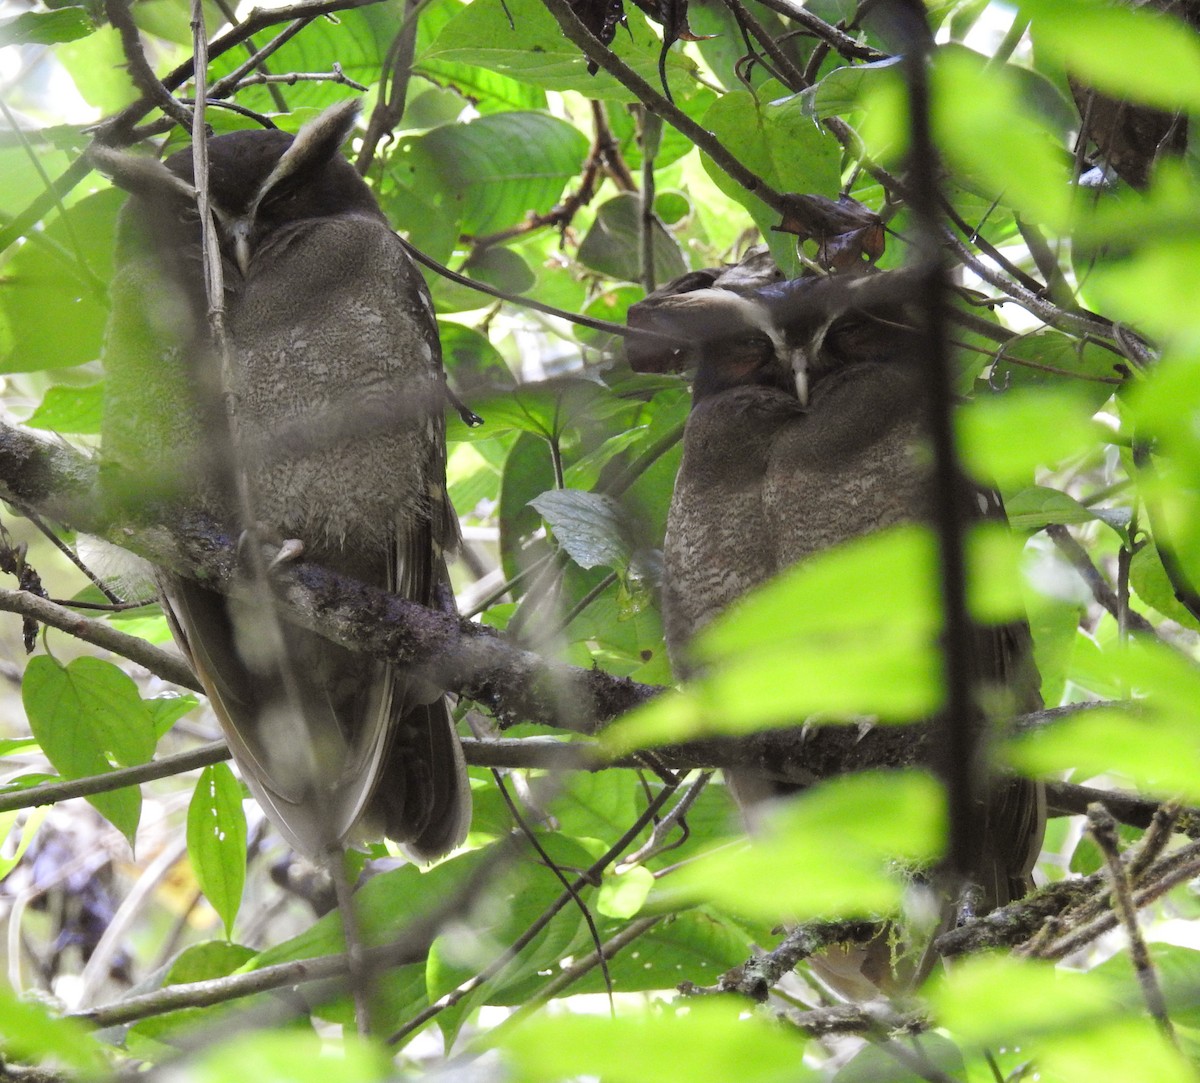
(259, 182)
(788, 335)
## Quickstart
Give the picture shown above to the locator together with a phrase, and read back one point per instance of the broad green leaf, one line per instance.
(29, 1032)
(1151, 583)
(859, 826)
(533, 49)
(358, 39)
(698, 945)
(612, 245)
(845, 90)
(212, 959)
(591, 527)
(994, 139)
(1004, 438)
(1053, 359)
(167, 710)
(95, 694)
(1134, 54)
(385, 905)
(456, 958)
(1037, 506)
(782, 144)
(1155, 288)
(493, 265)
(998, 999)
(96, 64)
(1071, 1025)
(883, 583)
(1154, 743)
(81, 715)
(289, 1054)
(70, 409)
(46, 27)
(938, 1057)
(849, 632)
(53, 289)
(216, 840)
(492, 172)
(709, 1040)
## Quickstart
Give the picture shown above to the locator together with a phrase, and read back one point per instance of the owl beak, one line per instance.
(239, 234)
(799, 365)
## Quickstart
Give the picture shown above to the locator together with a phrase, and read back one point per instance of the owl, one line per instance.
(806, 431)
(316, 422)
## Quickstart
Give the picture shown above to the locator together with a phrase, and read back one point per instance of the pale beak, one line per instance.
(239, 233)
(799, 366)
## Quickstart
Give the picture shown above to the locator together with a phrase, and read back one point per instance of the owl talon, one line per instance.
(277, 551)
(290, 550)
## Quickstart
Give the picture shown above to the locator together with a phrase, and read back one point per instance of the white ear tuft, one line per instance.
(139, 174)
(318, 141)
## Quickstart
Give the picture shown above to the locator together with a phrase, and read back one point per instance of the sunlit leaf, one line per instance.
(831, 852)
(707, 1040)
(216, 839)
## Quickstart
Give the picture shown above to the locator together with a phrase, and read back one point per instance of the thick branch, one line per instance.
(461, 656)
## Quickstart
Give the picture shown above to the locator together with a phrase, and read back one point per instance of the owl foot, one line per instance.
(276, 551)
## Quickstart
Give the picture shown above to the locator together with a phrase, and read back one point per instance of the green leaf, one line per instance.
(1151, 583)
(591, 527)
(859, 826)
(993, 139)
(1072, 1025)
(53, 292)
(169, 709)
(713, 1040)
(29, 1032)
(216, 840)
(613, 245)
(1153, 742)
(492, 172)
(1133, 54)
(29, 826)
(70, 409)
(780, 143)
(860, 621)
(97, 66)
(289, 1054)
(1006, 437)
(203, 962)
(533, 49)
(46, 27)
(845, 90)
(1037, 506)
(81, 715)
(622, 894)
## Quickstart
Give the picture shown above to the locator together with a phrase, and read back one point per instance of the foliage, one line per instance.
(518, 168)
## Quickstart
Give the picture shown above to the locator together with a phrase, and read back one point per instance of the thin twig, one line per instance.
(170, 667)
(139, 68)
(1078, 558)
(1104, 830)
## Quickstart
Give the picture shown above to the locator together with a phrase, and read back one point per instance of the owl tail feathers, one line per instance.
(423, 800)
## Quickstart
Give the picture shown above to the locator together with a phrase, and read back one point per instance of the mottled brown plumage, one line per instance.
(768, 480)
(336, 428)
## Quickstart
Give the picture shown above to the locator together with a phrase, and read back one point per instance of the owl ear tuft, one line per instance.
(315, 144)
(140, 175)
